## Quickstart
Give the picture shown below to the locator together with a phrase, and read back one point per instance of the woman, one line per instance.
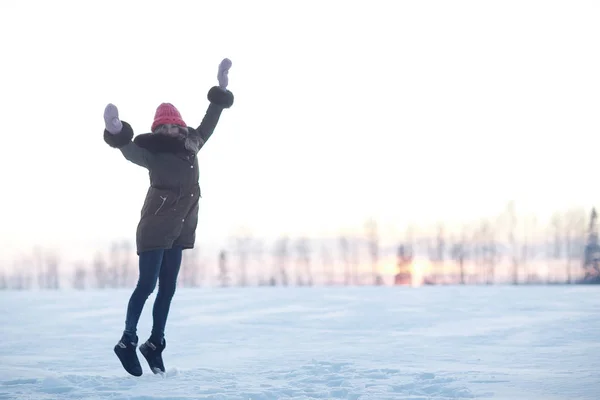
(169, 215)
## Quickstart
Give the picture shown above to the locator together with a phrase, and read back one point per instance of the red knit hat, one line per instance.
(166, 113)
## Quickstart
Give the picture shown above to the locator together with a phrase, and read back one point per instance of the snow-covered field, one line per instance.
(312, 343)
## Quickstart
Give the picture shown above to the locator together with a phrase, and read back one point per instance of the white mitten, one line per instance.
(112, 123)
(222, 75)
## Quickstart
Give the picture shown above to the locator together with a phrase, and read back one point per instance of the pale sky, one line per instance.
(406, 111)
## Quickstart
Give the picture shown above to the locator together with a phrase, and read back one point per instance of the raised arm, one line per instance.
(220, 98)
(119, 134)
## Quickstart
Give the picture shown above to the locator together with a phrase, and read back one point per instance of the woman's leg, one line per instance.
(167, 282)
(149, 266)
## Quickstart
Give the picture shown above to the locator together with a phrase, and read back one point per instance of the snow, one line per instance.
(474, 342)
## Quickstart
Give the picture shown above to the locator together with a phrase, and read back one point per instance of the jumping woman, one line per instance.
(169, 215)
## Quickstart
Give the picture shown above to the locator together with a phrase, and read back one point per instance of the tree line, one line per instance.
(473, 254)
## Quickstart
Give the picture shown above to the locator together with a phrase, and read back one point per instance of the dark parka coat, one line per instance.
(169, 216)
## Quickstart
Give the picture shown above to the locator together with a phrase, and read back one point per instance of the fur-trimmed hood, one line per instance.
(163, 143)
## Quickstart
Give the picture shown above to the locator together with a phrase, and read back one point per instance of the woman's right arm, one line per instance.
(131, 151)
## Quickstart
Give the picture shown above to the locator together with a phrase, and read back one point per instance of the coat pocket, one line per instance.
(159, 203)
(162, 203)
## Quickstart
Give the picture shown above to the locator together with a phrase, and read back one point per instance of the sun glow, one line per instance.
(388, 268)
(419, 269)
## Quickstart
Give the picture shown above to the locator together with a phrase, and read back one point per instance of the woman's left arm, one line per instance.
(220, 98)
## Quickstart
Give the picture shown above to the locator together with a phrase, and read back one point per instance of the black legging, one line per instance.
(156, 265)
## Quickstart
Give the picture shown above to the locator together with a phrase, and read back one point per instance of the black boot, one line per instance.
(125, 350)
(152, 352)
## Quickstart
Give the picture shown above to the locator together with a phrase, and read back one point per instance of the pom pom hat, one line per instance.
(166, 113)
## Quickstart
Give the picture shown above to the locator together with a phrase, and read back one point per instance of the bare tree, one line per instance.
(101, 274)
(405, 254)
(345, 254)
(3, 281)
(512, 241)
(431, 250)
(440, 243)
(79, 276)
(575, 232)
(304, 274)
(22, 277)
(372, 234)
(38, 266)
(568, 238)
(223, 269)
(242, 244)
(258, 255)
(52, 271)
(28, 274)
(189, 269)
(18, 278)
(591, 259)
(477, 253)
(44, 264)
(436, 248)
(557, 240)
(485, 252)
(404, 257)
(554, 244)
(530, 250)
(440, 249)
(458, 255)
(127, 267)
(327, 260)
(489, 250)
(355, 257)
(203, 270)
(281, 261)
(113, 272)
